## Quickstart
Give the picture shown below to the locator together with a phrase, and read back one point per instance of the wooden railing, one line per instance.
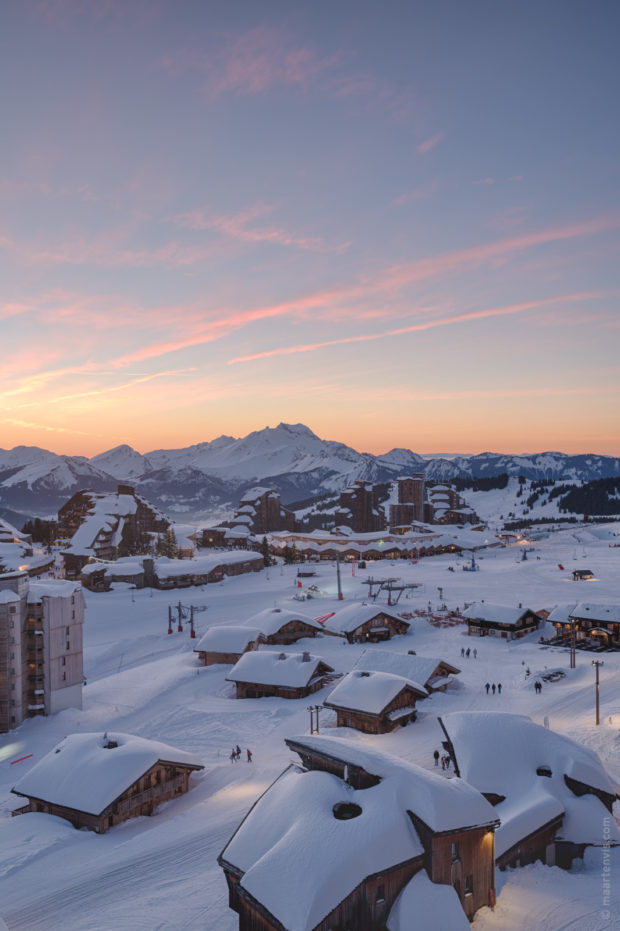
(150, 795)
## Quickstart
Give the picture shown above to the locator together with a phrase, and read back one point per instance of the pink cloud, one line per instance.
(235, 226)
(253, 63)
(417, 193)
(429, 144)
(510, 309)
(484, 181)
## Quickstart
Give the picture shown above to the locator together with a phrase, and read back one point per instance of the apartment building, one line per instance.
(40, 647)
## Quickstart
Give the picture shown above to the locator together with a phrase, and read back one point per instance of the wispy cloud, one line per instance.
(416, 193)
(484, 181)
(430, 143)
(236, 226)
(508, 310)
(253, 63)
(41, 426)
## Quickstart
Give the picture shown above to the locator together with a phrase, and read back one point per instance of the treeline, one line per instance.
(481, 483)
(600, 497)
(41, 531)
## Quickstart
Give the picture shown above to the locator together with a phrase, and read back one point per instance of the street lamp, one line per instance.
(596, 663)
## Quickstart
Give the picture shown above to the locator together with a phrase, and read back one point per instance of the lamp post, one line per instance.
(573, 643)
(596, 663)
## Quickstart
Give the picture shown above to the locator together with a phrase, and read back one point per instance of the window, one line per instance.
(455, 851)
(67, 631)
(64, 677)
(68, 645)
(469, 885)
(64, 660)
(380, 894)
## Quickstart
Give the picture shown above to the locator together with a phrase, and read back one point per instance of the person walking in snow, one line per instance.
(499, 688)
(475, 653)
(238, 751)
(487, 687)
(436, 757)
(443, 762)
(493, 688)
(462, 651)
(249, 753)
(233, 755)
(467, 651)
(447, 761)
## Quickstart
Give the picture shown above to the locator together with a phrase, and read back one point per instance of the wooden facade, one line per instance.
(377, 628)
(162, 782)
(539, 845)
(464, 859)
(265, 690)
(291, 632)
(526, 624)
(397, 713)
(366, 908)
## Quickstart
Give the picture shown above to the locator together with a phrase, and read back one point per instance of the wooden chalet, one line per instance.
(582, 575)
(365, 623)
(550, 793)
(227, 644)
(97, 781)
(429, 672)
(365, 835)
(283, 675)
(282, 626)
(597, 622)
(497, 620)
(374, 702)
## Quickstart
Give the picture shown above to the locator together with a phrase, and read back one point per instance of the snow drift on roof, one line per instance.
(370, 691)
(230, 639)
(417, 668)
(83, 774)
(288, 670)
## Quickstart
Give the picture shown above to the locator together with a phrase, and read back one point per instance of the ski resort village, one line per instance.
(404, 717)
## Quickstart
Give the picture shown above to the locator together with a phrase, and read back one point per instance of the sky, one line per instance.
(397, 222)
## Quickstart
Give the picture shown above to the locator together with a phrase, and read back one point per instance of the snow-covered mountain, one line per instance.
(210, 476)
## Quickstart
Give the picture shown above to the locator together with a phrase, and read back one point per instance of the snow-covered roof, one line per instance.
(300, 861)
(272, 619)
(560, 614)
(8, 596)
(354, 615)
(597, 612)
(84, 774)
(203, 565)
(500, 753)
(416, 668)
(52, 588)
(289, 670)
(435, 905)
(442, 804)
(228, 639)
(502, 614)
(370, 691)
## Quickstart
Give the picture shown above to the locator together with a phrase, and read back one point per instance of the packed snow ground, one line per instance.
(161, 872)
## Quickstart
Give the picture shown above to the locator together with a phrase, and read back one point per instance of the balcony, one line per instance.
(150, 795)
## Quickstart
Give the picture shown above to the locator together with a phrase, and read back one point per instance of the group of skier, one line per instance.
(494, 688)
(235, 755)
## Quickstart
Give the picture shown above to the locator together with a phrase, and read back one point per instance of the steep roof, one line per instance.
(500, 753)
(354, 615)
(271, 620)
(597, 612)
(411, 666)
(84, 774)
(229, 639)
(502, 614)
(370, 691)
(289, 670)
(300, 861)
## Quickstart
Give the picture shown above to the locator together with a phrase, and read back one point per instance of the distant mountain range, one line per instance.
(207, 480)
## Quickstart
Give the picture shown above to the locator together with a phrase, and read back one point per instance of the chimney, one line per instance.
(305, 657)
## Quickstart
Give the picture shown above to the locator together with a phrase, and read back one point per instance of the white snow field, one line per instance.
(161, 872)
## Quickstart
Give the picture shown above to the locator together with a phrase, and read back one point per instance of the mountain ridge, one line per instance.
(205, 477)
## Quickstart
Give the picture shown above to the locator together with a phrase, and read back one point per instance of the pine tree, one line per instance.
(264, 548)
